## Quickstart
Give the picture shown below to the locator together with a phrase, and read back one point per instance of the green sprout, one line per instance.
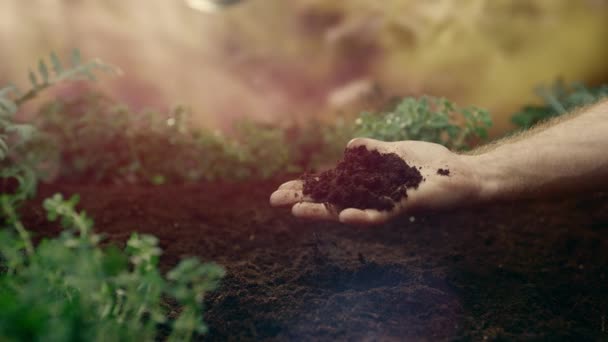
(428, 119)
(558, 99)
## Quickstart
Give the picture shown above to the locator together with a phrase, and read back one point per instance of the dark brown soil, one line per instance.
(8, 185)
(515, 271)
(364, 180)
(443, 172)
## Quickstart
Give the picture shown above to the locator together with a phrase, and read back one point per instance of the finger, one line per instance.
(315, 211)
(292, 185)
(282, 198)
(370, 144)
(364, 217)
(367, 142)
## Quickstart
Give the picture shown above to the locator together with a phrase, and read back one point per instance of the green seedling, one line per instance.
(69, 288)
(428, 119)
(558, 99)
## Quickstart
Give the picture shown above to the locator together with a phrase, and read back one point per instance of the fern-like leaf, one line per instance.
(56, 63)
(8, 90)
(3, 147)
(43, 70)
(7, 106)
(33, 79)
(76, 58)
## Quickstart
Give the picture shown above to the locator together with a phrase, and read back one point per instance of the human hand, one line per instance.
(437, 191)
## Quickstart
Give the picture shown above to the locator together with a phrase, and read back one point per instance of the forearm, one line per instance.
(566, 155)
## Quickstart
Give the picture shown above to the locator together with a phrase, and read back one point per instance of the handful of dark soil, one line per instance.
(364, 180)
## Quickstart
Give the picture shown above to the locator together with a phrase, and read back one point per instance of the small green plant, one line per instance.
(265, 150)
(101, 141)
(317, 144)
(558, 99)
(70, 289)
(24, 152)
(428, 119)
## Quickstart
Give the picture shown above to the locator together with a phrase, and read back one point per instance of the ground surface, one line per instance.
(513, 271)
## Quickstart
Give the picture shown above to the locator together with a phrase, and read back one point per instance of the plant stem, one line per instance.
(25, 236)
(9, 211)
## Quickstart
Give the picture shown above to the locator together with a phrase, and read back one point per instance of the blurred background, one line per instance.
(283, 61)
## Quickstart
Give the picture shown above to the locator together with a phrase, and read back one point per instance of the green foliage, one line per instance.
(428, 119)
(317, 144)
(264, 150)
(70, 289)
(100, 141)
(25, 153)
(558, 99)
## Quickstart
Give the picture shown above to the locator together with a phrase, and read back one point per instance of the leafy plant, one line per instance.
(429, 119)
(317, 144)
(558, 99)
(265, 149)
(101, 141)
(68, 288)
(24, 152)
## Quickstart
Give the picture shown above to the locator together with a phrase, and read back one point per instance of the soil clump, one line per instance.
(364, 180)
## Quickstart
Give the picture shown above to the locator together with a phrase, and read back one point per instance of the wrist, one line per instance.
(486, 177)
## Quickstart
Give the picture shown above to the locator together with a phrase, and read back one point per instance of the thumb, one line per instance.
(370, 144)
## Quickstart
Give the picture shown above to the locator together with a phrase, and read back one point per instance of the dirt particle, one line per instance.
(361, 258)
(443, 172)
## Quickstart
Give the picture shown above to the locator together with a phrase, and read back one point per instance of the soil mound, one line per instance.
(364, 180)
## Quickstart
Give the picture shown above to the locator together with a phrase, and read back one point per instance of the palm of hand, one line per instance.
(435, 192)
